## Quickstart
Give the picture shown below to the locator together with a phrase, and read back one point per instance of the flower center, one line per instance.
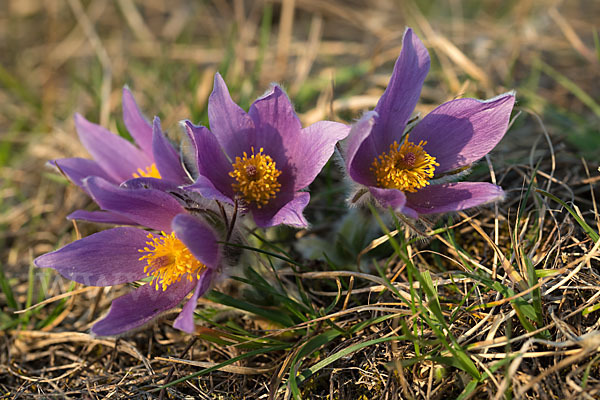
(256, 177)
(168, 260)
(407, 167)
(150, 172)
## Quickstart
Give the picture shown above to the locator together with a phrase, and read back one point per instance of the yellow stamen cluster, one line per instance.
(150, 172)
(168, 260)
(256, 177)
(407, 167)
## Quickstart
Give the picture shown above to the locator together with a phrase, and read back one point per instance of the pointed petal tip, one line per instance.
(39, 262)
(273, 90)
(156, 130)
(79, 119)
(509, 96)
(290, 214)
(218, 80)
(185, 319)
(140, 308)
(369, 116)
(189, 125)
(52, 163)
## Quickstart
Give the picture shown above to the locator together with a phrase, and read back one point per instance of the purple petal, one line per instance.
(409, 212)
(151, 183)
(185, 319)
(462, 131)
(198, 237)
(277, 127)
(77, 169)
(115, 155)
(387, 198)
(105, 258)
(141, 306)
(275, 109)
(213, 165)
(452, 197)
(359, 163)
(289, 214)
(147, 207)
(229, 123)
(206, 189)
(309, 151)
(402, 94)
(166, 158)
(102, 217)
(135, 122)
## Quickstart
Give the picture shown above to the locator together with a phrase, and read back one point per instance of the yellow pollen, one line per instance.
(168, 260)
(407, 167)
(150, 172)
(256, 178)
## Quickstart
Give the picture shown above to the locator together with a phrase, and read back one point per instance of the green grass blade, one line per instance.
(307, 373)
(249, 354)
(536, 293)
(590, 232)
(270, 315)
(29, 298)
(586, 374)
(7, 290)
(16, 86)
(572, 87)
(433, 307)
(308, 348)
(292, 305)
(597, 44)
(591, 309)
(468, 390)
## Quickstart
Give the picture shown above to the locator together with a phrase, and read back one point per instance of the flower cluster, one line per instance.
(173, 221)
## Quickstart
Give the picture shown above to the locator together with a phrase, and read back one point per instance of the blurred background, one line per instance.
(334, 58)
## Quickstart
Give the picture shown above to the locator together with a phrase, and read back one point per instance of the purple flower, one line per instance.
(262, 158)
(183, 256)
(403, 171)
(117, 160)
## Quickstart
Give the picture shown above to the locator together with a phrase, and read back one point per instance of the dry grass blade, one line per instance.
(233, 369)
(58, 297)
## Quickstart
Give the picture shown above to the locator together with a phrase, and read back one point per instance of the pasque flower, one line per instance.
(409, 171)
(117, 160)
(261, 159)
(181, 255)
